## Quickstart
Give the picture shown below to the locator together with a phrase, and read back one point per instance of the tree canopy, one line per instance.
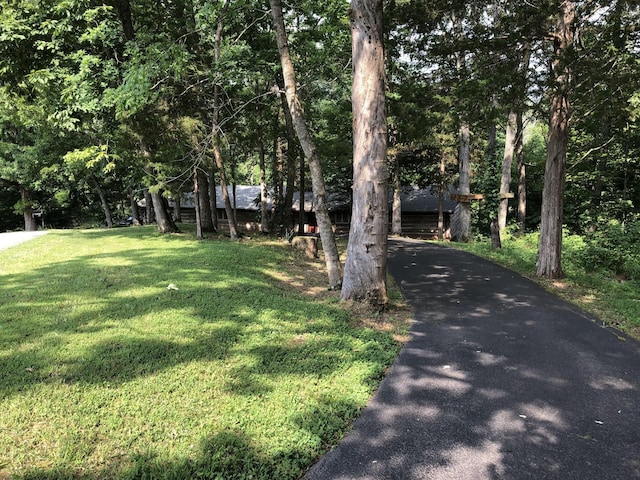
(102, 102)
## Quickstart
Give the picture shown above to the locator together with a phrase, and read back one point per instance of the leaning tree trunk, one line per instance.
(550, 247)
(461, 219)
(507, 162)
(30, 223)
(329, 247)
(135, 213)
(365, 276)
(108, 219)
(163, 218)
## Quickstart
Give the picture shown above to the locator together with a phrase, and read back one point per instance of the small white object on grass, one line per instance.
(171, 286)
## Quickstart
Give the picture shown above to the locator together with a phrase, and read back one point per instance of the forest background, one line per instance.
(103, 103)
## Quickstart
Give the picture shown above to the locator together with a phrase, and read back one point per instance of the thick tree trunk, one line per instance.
(365, 277)
(396, 206)
(507, 163)
(30, 223)
(550, 247)
(203, 201)
(461, 219)
(329, 247)
(163, 218)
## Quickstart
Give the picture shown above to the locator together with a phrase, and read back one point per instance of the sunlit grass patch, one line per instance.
(246, 368)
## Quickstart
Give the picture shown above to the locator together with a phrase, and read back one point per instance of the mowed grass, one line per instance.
(616, 301)
(249, 370)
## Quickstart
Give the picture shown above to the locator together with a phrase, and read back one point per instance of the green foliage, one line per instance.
(613, 248)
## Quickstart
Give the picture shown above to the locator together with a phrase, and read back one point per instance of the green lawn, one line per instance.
(250, 369)
(615, 300)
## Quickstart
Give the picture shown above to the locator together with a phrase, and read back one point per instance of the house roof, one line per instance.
(421, 200)
(414, 200)
(247, 197)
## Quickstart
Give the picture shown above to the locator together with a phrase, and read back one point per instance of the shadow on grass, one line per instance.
(107, 318)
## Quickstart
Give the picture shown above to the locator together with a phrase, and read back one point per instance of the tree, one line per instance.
(307, 142)
(550, 247)
(366, 264)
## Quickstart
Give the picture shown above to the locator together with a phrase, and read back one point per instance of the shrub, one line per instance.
(613, 248)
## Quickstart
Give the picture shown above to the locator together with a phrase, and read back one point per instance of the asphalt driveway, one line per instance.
(500, 380)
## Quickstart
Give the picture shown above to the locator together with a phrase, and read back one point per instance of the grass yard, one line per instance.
(248, 369)
(613, 299)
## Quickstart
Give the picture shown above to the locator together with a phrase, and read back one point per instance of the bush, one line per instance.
(614, 250)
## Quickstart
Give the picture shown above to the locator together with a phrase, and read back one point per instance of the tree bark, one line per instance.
(149, 216)
(461, 219)
(396, 206)
(108, 219)
(507, 163)
(365, 278)
(30, 223)
(196, 202)
(549, 263)
(203, 201)
(163, 218)
(441, 191)
(264, 215)
(135, 213)
(211, 174)
(332, 258)
(522, 177)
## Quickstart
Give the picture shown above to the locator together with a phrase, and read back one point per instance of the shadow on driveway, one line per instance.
(500, 380)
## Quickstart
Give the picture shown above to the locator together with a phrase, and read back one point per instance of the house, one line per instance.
(419, 210)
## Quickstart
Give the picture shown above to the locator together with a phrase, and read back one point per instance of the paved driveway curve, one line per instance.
(9, 239)
(500, 380)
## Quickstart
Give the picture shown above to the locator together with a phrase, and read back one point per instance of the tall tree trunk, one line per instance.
(396, 206)
(264, 214)
(365, 277)
(332, 258)
(550, 247)
(441, 199)
(163, 218)
(203, 201)
(507, 163)
(522, 177)
(211, 174)
(149, 216)
(30, 223)
(108, 219)
(461, 219)
(292, 155)
(196, 201)
(177, 209)
(217, 153)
